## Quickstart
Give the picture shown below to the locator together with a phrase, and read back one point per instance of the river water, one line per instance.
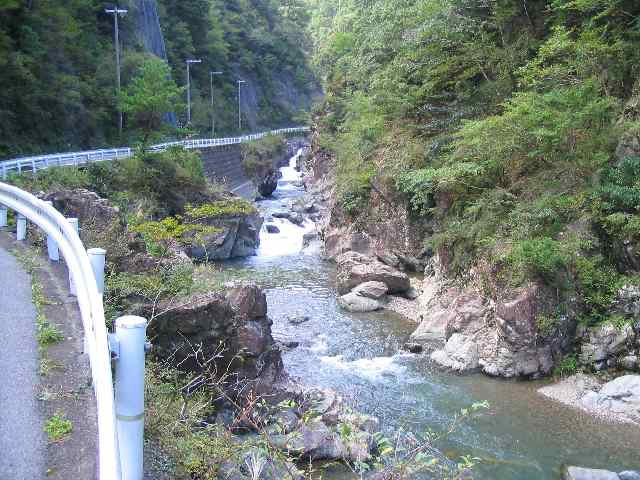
(522, 436)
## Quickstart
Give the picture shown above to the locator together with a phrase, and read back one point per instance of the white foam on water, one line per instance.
(320, 344)
(290, 239)
(374, 369)
(289, 173)
(288, 242)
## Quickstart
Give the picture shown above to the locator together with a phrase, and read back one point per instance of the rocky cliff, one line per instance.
(478, 322)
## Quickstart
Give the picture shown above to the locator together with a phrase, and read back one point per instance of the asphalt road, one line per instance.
(22, 440)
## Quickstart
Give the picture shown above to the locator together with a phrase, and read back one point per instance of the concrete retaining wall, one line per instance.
(224, 164)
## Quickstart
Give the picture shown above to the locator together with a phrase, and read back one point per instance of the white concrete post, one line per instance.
(3, 216)
(52, 246)
(129, 392)
(21, 227)
(72, 286)
(97, 258)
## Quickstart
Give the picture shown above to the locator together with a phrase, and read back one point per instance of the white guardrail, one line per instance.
(41, 162)
(55, 225)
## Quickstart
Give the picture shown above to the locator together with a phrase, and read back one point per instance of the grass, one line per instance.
(58, 427)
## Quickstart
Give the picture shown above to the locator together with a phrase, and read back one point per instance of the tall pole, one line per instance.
(213, 113)
(240, 82)
(189, 62)
(116, 12)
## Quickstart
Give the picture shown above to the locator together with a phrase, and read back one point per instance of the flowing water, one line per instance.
(523, 436)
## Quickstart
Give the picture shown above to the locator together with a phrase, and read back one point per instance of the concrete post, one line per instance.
(129, 392)
(3, 216)
(97, 258)
(72, 286)
(21, 227)
(52, 246)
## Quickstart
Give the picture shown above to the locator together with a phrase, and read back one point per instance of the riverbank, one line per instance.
(550, 433)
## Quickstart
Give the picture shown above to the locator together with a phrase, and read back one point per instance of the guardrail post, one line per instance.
(3, 216)
(129, 393)
(21, 227)
(97, 258)
(72, 286)
(52, 246)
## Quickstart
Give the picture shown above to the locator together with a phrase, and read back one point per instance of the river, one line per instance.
(522, 436)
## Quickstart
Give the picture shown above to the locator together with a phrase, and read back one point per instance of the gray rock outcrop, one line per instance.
(238, 236)
(579, 473)
(471, 332)
(218, 332)
(619, 398)
(355, 269)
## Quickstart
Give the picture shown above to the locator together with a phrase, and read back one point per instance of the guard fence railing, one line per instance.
(120, 409)
(40, 162)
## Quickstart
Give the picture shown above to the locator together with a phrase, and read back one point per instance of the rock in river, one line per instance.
(355, 268)
(353, 302)
(272, 228)
(578, 473)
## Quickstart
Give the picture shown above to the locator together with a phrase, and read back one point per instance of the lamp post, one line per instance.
(116, 12)
(213, 114)
(240, 82)
(189, 62)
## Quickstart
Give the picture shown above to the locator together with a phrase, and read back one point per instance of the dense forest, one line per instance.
(57, 67)
(509, 129)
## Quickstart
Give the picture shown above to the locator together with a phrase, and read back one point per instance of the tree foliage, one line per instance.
(150, 95)
(57, 67)
(496, 121)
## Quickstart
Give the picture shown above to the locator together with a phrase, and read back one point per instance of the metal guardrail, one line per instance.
(89, 299)
(40, 162)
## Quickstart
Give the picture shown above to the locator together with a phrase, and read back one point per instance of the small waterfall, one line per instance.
(289, 241)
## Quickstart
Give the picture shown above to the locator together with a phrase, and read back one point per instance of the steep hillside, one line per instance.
(57, 66)
(261, 42)
(498, 142)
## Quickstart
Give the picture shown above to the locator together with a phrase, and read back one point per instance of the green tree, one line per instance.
(151, 94)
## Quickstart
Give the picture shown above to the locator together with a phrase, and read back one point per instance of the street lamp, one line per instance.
(189, 62)
(240, 82)
(213, 113)
(116, 12)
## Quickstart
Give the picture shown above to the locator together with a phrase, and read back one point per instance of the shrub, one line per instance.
(538, 257)
(568, 366)
(258, 156)
(597, 283)
(58, 427)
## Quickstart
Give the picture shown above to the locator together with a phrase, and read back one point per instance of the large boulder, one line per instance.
(355, 269)
(353, 302)
(460, 354)
(375, 290)
(579, 473)
(619, 398)
(234, 235)
(268, 184)
(332, 430)
(317, 441)
(470, 331)
(601, 345)
(100, 222)
(338, 241)
(218, 333)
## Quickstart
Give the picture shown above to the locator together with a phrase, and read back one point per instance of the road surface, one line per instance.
(22, 440)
